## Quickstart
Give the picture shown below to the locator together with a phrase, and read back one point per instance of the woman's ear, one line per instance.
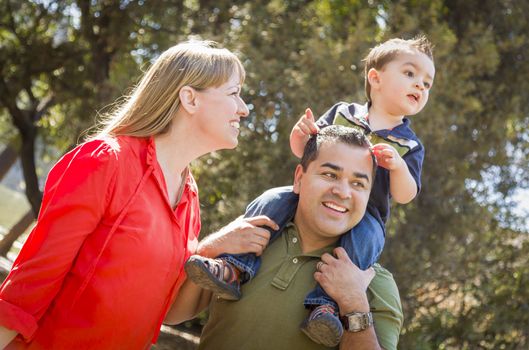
(188, 99)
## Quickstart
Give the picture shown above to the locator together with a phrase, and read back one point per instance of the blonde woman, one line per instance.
(120, 213)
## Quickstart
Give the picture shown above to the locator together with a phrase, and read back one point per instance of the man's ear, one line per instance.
(373, 76)
(188, 99)
(298, 174)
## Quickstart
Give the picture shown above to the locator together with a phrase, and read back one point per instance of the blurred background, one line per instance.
(459, 253)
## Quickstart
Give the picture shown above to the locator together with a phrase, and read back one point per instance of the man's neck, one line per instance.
(310, 240)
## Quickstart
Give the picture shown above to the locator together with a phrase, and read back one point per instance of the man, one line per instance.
(333, 181)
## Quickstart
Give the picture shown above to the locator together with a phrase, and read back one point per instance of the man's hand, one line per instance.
(344, 281)
(305, 126)
(243, 235)
(388, 157)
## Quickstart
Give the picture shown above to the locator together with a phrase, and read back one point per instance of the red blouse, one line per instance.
(105, 259)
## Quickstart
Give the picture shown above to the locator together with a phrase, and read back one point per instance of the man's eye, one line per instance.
(359, 184)
(330, 175)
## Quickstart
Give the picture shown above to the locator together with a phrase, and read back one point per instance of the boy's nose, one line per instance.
(420, 85)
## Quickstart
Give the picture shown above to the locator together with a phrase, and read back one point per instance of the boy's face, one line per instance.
(402, 86)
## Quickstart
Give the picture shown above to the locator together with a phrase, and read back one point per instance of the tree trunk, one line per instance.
(15, 232)
(27, 157)
(8, 157)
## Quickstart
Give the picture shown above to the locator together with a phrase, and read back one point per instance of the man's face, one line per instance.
(333, 192)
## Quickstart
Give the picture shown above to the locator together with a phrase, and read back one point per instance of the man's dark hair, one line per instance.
(335, 134)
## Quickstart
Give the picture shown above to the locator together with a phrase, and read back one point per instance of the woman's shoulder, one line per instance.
(112, 147)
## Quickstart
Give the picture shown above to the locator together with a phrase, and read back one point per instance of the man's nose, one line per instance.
(342, 189)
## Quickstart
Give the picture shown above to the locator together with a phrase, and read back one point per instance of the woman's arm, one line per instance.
(243, 235)
(75, 196)
(6, 335)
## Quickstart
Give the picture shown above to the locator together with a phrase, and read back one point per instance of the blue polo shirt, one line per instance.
(401, 137)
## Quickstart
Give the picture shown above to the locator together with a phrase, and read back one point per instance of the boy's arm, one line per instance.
(301, 132)
(402, 185)
(307, 126)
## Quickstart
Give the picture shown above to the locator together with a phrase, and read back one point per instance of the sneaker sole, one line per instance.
(322, 332)
(199, 274)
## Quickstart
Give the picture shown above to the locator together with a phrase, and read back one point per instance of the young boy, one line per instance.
(398, 76)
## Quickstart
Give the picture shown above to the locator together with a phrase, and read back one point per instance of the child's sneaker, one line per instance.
(216, 275)
(323, 326)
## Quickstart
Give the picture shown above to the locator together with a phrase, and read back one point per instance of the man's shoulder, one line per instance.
(384, 283)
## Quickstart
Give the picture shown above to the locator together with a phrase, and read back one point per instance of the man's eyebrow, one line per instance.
(339, 168)
(417, 67)
(362, 176)
(332, 166)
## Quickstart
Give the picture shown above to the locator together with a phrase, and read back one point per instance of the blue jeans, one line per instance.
(363, 243)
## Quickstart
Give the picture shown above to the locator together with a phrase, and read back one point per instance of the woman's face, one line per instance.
(220, 111)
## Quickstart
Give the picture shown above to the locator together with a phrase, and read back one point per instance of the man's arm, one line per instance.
(347, 285)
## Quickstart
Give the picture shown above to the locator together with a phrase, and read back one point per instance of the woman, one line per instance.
(120, 213)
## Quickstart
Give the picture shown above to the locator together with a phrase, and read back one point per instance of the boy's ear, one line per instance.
(373, 77)
(188, 99)
(297, 179)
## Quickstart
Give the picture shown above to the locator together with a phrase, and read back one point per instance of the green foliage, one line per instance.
(459, 254)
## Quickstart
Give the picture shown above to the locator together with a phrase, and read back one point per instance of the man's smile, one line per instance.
(336, 207)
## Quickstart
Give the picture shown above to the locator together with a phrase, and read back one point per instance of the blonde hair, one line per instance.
(151, 106)
(384, 53)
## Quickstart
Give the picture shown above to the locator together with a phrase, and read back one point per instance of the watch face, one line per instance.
(358, 321)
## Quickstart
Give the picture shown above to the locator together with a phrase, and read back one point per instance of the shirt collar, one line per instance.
(291, 232)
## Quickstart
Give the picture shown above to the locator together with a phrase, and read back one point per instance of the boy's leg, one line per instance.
(279, 204)
(224, 274)
(363, 244)
(365, 241)
(323, 325)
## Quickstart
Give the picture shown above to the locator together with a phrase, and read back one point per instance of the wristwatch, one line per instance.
(357, 321)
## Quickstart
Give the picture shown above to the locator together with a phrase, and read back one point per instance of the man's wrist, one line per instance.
(357, 321)
(354, 303)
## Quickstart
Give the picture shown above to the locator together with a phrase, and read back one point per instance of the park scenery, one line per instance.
(459, 252)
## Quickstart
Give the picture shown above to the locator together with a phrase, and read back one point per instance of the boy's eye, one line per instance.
(409, 74)
(427, 85)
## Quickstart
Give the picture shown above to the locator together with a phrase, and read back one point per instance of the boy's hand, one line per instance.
(388, 157)
(305, 126)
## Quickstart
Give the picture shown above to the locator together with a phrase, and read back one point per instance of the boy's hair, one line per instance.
(335, 134)
(384, 53)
